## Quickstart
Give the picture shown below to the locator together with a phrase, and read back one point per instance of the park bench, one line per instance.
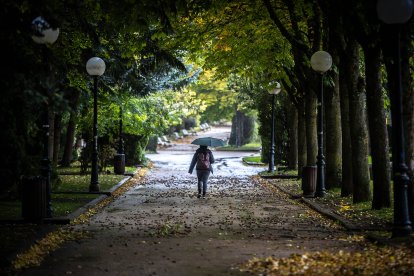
(204, 127)
(160, 142)
(177, 136)
(166, 141)
(185, 133)
(193, 132)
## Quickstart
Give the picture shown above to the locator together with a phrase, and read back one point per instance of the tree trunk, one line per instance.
(311, 134)
(237, 129)
(358, 128)
(301, 139)
(359, 134)
(70, 136)
(377, 129)
(346, 186)
(333, 140)
(292, 136)
(56, 140)
(408, 114)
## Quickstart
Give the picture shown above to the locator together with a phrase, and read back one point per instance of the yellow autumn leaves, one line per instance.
(374, 260)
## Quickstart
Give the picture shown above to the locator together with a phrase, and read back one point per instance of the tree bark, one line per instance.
(333, 139)
(377, 129)
(70, 136)
(302, 161)
(71, 129)
(311, 134)
(346, 186)
(358, 128)
(359, 134)
(342, 49)
(292, 136)
(408, 113)
(56, 140)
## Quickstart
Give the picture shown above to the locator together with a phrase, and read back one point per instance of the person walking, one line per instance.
(202, 160)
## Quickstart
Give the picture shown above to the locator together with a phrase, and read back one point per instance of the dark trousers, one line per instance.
(202, 176)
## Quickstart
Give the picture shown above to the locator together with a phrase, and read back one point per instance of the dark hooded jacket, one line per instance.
(194, 160)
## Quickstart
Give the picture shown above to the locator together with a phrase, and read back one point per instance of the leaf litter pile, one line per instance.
(373, 261)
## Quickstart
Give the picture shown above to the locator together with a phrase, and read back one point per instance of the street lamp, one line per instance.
(119, 159)
(273, 91)
(44, 34)
(95, 67)
(321, 62)
(397, 13)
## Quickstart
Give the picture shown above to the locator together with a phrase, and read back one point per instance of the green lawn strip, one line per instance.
(247, 147)
(75, 168)
(253, 159)
(279, 170)
(80, 183)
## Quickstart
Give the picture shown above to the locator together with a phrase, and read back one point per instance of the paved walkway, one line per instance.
(159, 227)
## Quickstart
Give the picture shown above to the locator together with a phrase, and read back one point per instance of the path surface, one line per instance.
(159, 227)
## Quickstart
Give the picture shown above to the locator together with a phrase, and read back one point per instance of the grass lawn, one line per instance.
(253, 159)
(75, 169)
(247, 147)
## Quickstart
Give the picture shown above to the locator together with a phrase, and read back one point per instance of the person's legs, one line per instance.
(206, 174)
(199, 182)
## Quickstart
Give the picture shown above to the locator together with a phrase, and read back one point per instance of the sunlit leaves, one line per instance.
(372, 261)
(37, 252)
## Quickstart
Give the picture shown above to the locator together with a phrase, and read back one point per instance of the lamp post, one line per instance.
(95, 67)
(121, 141)
(119, 158)
(321, 62)
(396, 13)
(273, 92)
(44, 34)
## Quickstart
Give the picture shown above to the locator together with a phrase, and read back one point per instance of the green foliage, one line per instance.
(217, 100)
(253, 159)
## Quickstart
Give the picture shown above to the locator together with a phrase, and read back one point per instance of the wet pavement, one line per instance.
(160, 227)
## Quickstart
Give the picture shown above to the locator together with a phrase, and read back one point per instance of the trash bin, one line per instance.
(309, 181)
(119, 164)
(34, 203)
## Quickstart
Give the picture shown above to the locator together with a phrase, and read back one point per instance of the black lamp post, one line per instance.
(397, 13)
(121, 141)
(95, 67)
(321, 62)
(44, 34)
(119, 158)
(273, 92)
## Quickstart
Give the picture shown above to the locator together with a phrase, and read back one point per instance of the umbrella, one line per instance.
(208, 141)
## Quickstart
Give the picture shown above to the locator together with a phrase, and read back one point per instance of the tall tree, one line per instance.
(302, 48)
(407, 51)
(369, 39)
(332, 99)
